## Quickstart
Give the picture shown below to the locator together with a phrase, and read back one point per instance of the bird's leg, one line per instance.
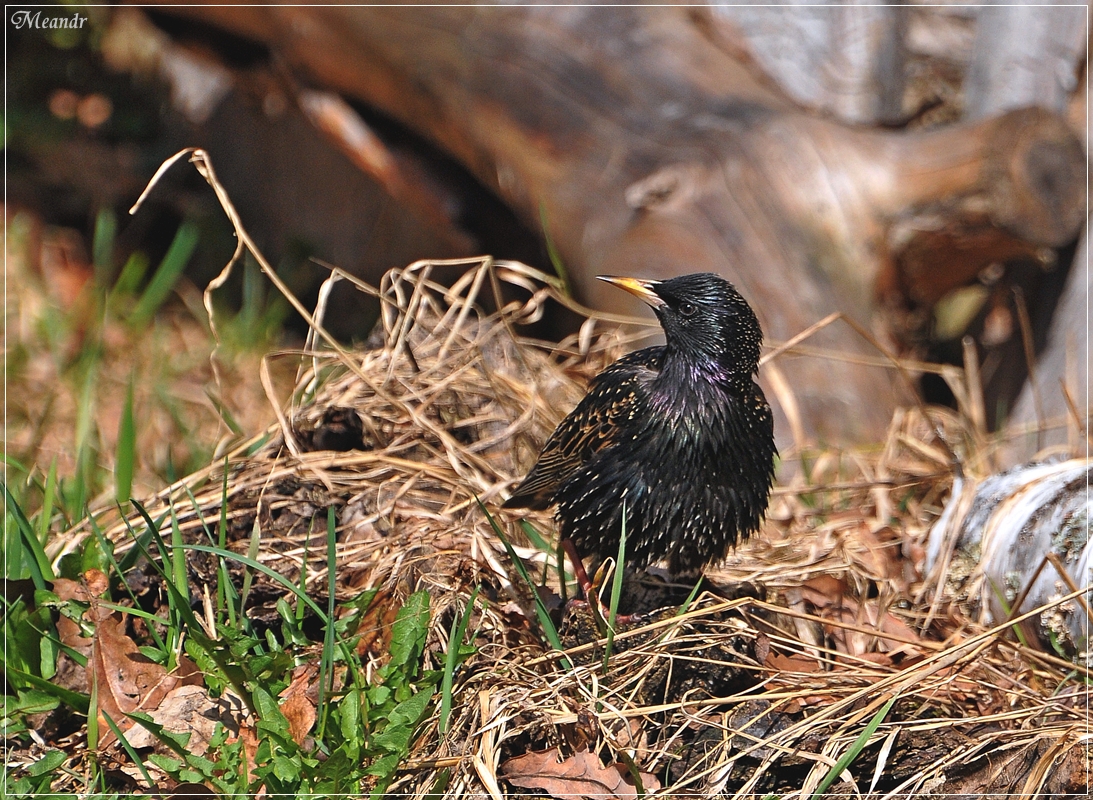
(590, 595)
(583, 580)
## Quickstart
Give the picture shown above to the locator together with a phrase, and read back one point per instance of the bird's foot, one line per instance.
(588, 588)
(597, 610)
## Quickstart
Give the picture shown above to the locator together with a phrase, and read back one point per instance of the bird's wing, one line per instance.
(613, 399)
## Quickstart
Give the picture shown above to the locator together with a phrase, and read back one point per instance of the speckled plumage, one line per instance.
(679, 433)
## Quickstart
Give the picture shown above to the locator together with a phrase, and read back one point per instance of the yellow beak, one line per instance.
(639, 288)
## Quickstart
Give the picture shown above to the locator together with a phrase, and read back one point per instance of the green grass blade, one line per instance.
(326, 663)
(225, 589)
(129, 279)
(616, 592)
(683, 609)
(197, 630)
(16, 553)
(166, 274)
(855, 749)
(133, 756)
(179, 571)
(559, 566)
(1000, 596)
(77, 701)
(180, 607)
(440, 785)
(256, 566)
(541, 612)
(179, 603)
(49, 492)
(93, 714)
(225, 415)
(141, 543)
(253, 549)
(200, 516)
(455, 641)
(635, 772)
(85, 457)
(535, 537)
(540, 542)
(102, 246)
(34, 554)
(126, 454)
(176, 742)
(553, 254)
(107, 548)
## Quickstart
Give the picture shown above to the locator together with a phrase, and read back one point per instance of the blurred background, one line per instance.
(920, 168)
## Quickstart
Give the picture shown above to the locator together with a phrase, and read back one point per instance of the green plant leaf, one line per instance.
(136, 759)
(175, 741)
(84, 480)
(409, 630)
(47, 763)
(402, 723)
(31, 701)
(49, 492)
(555, 257)
(326, 662)
(97, 553)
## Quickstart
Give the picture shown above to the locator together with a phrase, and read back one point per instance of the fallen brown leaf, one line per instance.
(298, 702)
(782, 663)
(88, 590)
(579, 777)
(824, 590)
(375, 625)
(127, 679)
(249, 738)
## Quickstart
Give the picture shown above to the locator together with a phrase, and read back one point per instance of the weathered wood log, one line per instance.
(1016, 542)
(1025, 54)
(650, 150)
(845, 59)
(1053, 411)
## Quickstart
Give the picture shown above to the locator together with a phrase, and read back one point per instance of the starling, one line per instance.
(679, 434)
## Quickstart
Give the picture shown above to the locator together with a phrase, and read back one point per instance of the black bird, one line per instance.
(679, 434)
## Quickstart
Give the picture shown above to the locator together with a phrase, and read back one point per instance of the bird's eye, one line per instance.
(687, 309)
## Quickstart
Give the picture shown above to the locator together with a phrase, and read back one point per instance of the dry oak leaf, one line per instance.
(126, 680)
(579, 777)
(88, 590)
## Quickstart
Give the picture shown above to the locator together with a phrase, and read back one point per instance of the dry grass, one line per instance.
(759, 694)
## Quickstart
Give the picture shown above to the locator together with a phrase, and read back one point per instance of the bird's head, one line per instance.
(705, 319)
